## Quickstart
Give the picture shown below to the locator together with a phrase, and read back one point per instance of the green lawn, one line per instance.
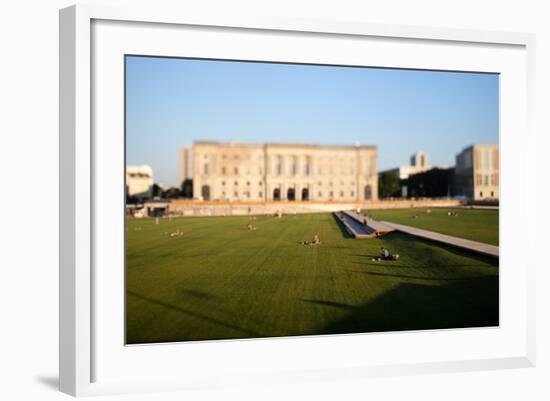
(474, 224)
(220, 281)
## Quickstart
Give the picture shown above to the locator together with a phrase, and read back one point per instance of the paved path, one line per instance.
(480, 247)
(481, 207)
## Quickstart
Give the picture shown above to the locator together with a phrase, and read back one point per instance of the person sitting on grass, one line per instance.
(314, 241)
(387, 255)
(250, 227)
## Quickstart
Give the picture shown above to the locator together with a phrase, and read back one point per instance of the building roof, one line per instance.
(143, 170)
(285, 145)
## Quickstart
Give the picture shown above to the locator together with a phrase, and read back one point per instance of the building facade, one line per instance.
(139, 181)
(477, 174)
(291, 172)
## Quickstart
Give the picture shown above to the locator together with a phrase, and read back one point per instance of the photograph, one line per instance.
(271, 199)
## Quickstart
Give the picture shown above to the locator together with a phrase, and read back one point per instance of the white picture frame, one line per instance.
(82, 343)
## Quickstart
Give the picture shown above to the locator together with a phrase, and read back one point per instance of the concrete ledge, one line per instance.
(239, 208)
(356, 227)
(376, 227)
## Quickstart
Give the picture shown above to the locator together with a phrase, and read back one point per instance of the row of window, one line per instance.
(293, 170)
(261, 194)
(294, 159)
(245, 194)
(235, 170)
(331, 194)
(320, 171)
(237, 157)
(481, 194)
(291, 193)
(236, 183)
(489, 159)
(486, 180)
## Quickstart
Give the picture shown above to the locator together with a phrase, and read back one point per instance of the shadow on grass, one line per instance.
(198, 294)
(405, 276)
(332, 304)
(196, 315)
(390, 264)
(461, 304)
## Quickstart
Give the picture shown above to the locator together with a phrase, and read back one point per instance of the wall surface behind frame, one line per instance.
(29, 201)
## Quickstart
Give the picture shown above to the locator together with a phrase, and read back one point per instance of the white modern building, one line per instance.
(419, 164)
(139, 181)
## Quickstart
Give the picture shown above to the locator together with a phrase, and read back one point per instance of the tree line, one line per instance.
(434, 183)
(157, 192)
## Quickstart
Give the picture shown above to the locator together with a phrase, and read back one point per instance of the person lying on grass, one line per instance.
(314, 241)
(176, 233)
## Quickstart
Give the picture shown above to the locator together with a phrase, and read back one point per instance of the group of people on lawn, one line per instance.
(385, 254)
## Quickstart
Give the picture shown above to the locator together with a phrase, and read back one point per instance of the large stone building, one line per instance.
(272, 172)
(477, 172)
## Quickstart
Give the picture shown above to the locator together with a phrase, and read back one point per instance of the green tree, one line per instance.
(187, 188)
(171, 193)
(433, 183)
(156, 190)
(388, 184)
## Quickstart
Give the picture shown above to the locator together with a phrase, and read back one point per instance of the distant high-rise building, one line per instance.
(477, 172)
(419, 160)
(419, 164)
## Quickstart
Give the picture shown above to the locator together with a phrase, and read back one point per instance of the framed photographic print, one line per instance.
(280, 200)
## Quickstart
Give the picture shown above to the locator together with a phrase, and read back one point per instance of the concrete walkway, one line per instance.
(480, 247)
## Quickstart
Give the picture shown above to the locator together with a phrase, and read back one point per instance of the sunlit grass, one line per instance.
(220, 281)
(474, 224)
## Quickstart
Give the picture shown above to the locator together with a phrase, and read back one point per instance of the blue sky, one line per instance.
(172, 102)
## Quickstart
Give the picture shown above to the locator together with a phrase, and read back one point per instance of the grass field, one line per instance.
(474, 224)
(220, 281)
